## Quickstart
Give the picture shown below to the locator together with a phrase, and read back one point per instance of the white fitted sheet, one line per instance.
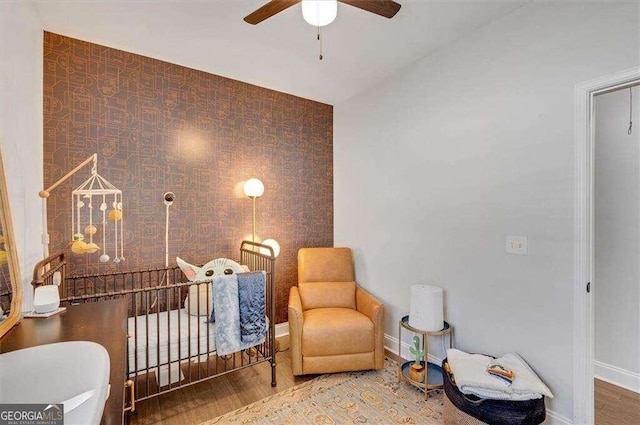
(174, 339)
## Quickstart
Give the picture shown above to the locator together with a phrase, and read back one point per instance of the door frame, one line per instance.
(583, 320)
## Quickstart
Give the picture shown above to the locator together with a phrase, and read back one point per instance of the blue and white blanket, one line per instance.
(237, 314)
(251, 297)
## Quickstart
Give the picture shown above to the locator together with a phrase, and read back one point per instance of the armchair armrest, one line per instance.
(368, 305)
(296, 320)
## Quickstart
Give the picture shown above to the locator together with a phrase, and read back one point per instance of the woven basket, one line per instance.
(460, 409)
(452, 416)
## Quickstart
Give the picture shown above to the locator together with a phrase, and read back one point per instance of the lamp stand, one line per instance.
(253, 222)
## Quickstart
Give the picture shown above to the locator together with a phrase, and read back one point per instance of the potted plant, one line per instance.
(417, 369)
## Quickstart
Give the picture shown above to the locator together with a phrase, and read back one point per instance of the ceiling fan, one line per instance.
(385, 8)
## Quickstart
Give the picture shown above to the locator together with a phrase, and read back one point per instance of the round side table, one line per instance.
(433, 372)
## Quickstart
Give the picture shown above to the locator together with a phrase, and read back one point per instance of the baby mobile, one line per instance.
(96, 210)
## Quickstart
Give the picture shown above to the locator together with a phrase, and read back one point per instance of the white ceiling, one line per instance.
(360, 48)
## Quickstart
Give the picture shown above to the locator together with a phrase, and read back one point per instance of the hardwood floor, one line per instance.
(615, 405)
(217, 396)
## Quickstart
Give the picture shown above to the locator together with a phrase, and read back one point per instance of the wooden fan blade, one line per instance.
(386, 8)
(268, 10)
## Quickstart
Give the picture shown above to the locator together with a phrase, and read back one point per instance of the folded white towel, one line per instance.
(471, 377)
(525, 380)
(470, 372)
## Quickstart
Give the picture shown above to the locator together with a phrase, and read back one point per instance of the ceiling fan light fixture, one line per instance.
(319, 12)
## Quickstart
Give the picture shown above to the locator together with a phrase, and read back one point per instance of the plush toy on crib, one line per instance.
(198, 294)
(217, 267)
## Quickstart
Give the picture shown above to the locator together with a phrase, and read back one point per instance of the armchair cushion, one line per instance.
(327, 295)
(336, 331)
(325, 265)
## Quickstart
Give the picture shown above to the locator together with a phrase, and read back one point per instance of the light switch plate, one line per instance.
(517, 245)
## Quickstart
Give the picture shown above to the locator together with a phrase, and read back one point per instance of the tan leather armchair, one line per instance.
(334, 325)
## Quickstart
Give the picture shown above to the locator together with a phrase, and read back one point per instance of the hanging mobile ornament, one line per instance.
(103, 207)
(87, 199)
(91, 246)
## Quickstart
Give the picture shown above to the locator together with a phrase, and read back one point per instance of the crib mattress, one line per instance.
(171, 336)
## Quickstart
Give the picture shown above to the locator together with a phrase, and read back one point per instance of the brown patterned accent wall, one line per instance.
(159, 127)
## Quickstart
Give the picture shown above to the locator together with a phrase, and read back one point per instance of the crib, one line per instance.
(171, 342)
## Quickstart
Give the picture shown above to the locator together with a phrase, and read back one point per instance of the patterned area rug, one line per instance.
(372, 397)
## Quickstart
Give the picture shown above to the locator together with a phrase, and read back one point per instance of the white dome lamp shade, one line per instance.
(273, 244)
(319, 12)
(253, 188)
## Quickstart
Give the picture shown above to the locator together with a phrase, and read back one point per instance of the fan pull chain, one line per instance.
(320, 41)
(630, 112)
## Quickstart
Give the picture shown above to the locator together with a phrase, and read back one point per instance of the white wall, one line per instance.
(434, 167)
(21, 128)
(617, 238)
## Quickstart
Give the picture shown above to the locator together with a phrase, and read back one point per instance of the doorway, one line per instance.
(583, 307)
(616, 251)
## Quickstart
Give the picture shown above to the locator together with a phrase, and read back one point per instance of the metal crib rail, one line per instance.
(157, 315)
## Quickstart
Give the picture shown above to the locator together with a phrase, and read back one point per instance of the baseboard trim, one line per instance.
(282, 329)
(617, 376)
(554, 418)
